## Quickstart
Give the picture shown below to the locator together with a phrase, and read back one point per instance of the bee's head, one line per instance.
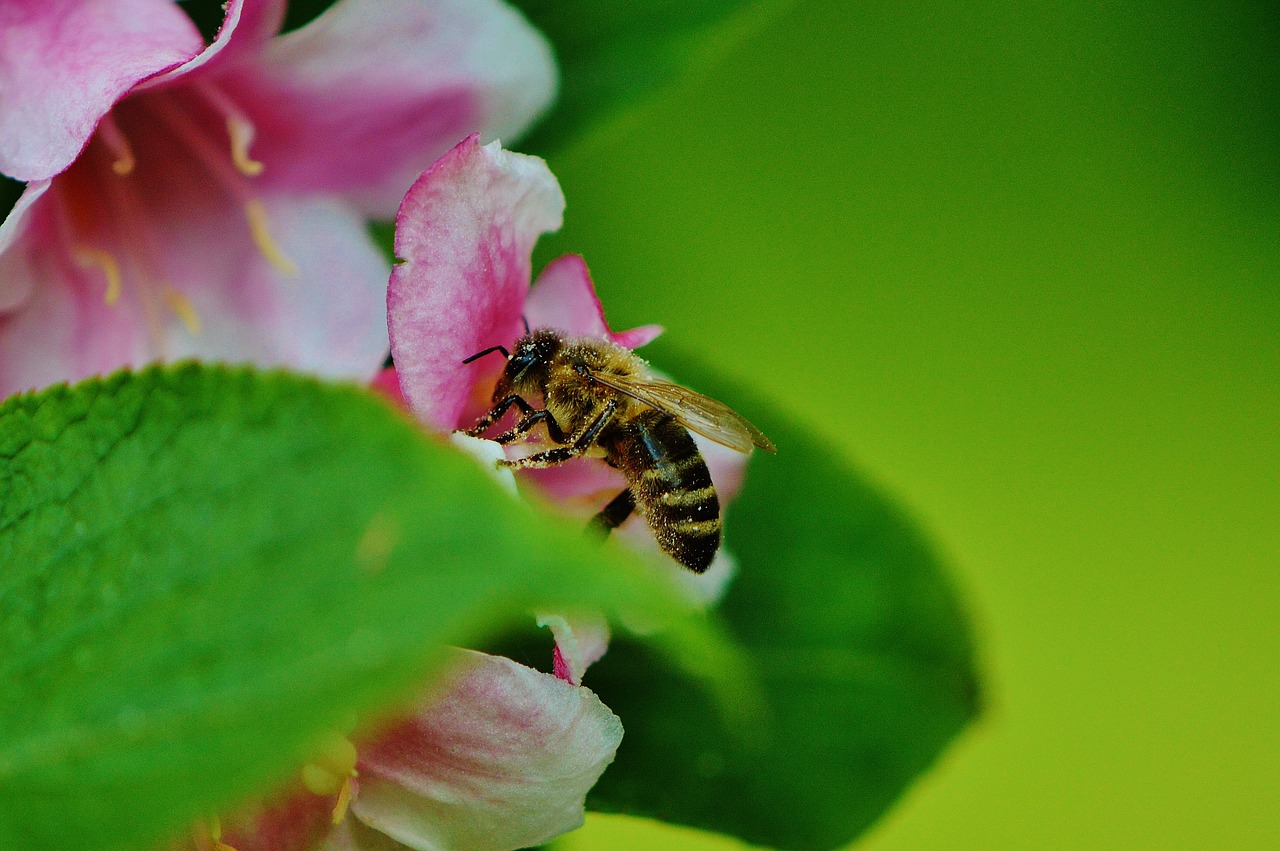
(527, 364)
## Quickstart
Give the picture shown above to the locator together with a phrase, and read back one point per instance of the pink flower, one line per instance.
(466, 232)
(185, 200)
(498, 757)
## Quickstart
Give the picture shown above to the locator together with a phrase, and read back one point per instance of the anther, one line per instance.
(89, 257)
(115, 141)
(256, 215)
(182, 308)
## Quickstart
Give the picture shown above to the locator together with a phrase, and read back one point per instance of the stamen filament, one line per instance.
(137, 244)
(240, 129)
(344, 802)
(116, 142)
(256, 215)
(89, 257)
(233, 181)
(182, 307)
(241, 133)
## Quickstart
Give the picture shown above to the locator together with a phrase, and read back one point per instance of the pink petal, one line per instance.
(293, 821)
(466, 230)
(369, 94)
(564, 298)
(502, 759)
(247, 26)
(387, 383)
(63, 63)
(727, 467)
(62, 330)
(634, 338)
(328, 319)
(580, 487)
(351, 835)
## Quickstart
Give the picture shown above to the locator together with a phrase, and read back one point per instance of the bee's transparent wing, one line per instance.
(702, 414)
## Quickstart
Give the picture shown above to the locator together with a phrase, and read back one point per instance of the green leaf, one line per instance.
(612, 55)
(862, 647)
(203, 569)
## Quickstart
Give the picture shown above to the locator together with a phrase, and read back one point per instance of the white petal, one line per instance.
(581, 639)
(501, 759)
(489, 453)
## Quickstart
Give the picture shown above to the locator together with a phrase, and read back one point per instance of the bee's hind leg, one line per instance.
(614, 514)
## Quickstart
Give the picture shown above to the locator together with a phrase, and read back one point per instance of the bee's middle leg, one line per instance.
(577, 445)
(530, 420)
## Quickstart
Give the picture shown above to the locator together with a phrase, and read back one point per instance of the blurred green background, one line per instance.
(1022, 261)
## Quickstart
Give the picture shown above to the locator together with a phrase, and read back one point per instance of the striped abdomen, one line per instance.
(671, 486)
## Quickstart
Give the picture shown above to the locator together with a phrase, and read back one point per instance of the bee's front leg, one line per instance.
(496, 412)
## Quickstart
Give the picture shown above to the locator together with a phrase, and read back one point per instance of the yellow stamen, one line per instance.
(183, 308)
(89, 257)
(256, 214)
(344, 801)
(241, 132)
(119, 145)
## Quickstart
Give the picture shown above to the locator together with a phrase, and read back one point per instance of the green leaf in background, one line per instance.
(863, 649)
(611, 55)
(203, 569)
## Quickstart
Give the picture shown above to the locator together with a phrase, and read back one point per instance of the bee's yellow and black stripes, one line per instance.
(671, 486)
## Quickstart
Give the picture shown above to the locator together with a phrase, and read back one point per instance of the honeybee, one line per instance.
(601, 401)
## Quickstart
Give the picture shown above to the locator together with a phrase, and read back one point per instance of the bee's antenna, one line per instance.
(526, 323)
(489, 350)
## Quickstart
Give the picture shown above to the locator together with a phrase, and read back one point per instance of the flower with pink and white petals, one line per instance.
(498, 757)
(209, 201)
(465, 233)
(503, 759)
